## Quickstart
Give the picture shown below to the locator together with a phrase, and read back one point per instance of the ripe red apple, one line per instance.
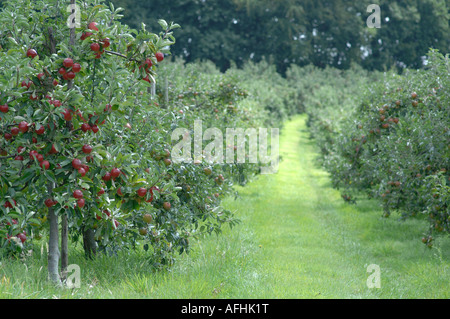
(49, 202)
(95, 47)
(106, 43)
(87, 149)
(94, 128)
(68, 62)
(85, 35)
(159, 56)
(62, 71)
(142, 192)
(85, 127)
(70, 75)
(67, 115)
(4, 108)
(77, 194)
(22, 237)
(23, 127)
(15, 131)
(31, 53)
(45, 165)
(100, 192)
(40, 130)
(76, 163)
(19, 158)
(119, 192)
(93, 26)
(115, 172)
(106, 177)
(82, 171)
(81, 202)
(76, 67)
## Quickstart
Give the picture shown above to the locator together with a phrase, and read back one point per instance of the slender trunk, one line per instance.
(89, 244)
(64, 245)
(64, 223)
(53, 244)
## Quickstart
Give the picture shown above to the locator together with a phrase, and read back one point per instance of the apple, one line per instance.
(93, 26)
(76, 163)
(143, 231)
(100, 192)
(45, 165)
(70, 75)
(22, 237)
(106, 43)
(167, 205)
(142, 192)
(67, 115)
(159, 56)
(77, 194)
(4, 108)
(31, 53)
(81, 202)
(76, 67)
(95, 47)
(62, 71)
(23, 127)
(106, 177)
(94, 128)
(49, 202)
(19, 158)
(82, 171)
(119, 191)
(87, 149)
(147, 218)
(115, 172)
(85, 127)
(68, 62)
(15, 131)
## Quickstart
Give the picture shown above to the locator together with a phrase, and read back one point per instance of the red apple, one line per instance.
(142, 192)
(93, 26)
(77, 194)
(68, 62)
(45, 165)
(31, 53)
(87, 149)
(76, 163)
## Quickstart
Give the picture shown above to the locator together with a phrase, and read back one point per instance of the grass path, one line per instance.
(315, 246)
(297, 239)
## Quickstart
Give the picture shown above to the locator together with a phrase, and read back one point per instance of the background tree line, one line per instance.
(318, 32)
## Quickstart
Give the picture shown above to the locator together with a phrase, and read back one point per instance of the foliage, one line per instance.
(394, 143)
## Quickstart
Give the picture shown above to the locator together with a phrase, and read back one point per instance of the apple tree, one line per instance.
(64, 88)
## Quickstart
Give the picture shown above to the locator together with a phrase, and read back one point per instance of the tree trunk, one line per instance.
(89, 244)
(64, 246)
(53, 244)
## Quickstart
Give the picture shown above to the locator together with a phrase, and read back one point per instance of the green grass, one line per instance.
(297, 239)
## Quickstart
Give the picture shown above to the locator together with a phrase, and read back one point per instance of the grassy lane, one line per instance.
(297, 239)
(315, 246)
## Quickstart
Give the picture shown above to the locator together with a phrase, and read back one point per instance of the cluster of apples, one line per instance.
(147, 64)
(97, 47)
(69, 69)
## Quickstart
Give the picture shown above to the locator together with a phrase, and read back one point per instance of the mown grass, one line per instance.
(297, 239)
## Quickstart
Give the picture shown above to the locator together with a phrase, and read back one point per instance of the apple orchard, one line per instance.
(84, 148)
